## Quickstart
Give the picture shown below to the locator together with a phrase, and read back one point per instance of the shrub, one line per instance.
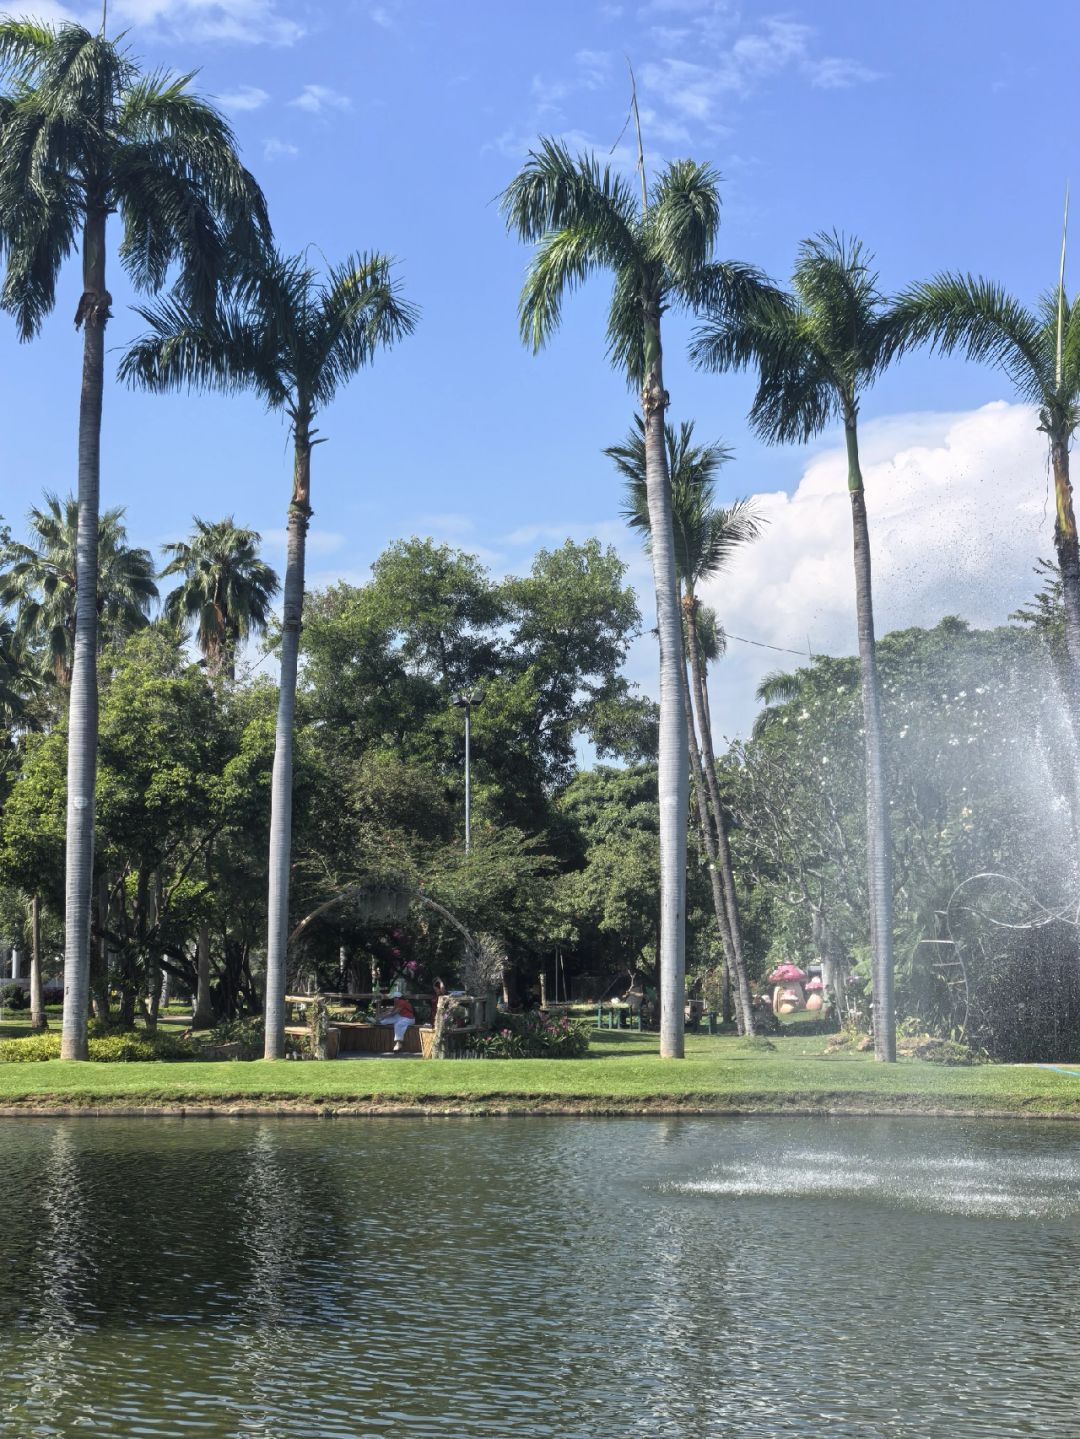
(13, 996)
(534, 1035)
(104, 1048)
(245, 1034)
(30, 1048)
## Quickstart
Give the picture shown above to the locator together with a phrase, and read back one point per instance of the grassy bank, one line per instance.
(623, 1071)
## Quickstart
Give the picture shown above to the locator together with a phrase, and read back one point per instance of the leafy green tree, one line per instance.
(294, 338)
(39, 582)
(706, 537)
(582, 220)
(227, 589)
(179, 773)
(816, 353)
(85, 135)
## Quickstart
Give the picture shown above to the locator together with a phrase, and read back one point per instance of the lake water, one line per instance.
(573, 1278)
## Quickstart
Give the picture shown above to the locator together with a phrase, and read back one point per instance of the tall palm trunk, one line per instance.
(92, 315)
(709, 845)
(281, 786)
(743, 1000)
(878, 828)
(1068, 554)
(674, 783)
(203, 1014)
(37, 1006)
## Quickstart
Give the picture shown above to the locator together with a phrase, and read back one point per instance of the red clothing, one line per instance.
(404, 1009)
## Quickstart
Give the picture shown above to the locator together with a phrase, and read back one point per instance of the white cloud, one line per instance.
(246, 97)
(714, 62)
(250, 22)
(959, 511)
(317, 99)
(275, 149)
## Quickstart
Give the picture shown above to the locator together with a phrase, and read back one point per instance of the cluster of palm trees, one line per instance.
(816, 349)
(85, 135)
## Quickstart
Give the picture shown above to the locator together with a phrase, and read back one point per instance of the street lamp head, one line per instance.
(466, 701)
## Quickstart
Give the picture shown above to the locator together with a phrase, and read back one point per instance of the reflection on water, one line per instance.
(285, 1279)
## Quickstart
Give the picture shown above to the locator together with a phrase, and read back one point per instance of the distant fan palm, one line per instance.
(227, 589)
(38, 582)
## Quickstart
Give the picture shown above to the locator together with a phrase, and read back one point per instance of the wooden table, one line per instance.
(615, 1013)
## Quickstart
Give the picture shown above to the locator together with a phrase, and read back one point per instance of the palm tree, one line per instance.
(294, 338)
(775, 689)
(706, 537)
(84, 135)
(227, 589)
(583, 219)
(39, 581)
(1039, 351)
(816, 353)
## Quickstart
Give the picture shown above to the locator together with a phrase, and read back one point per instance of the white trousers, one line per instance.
(400, 1024)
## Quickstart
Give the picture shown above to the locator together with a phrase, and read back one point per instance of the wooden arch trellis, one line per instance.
(415, 892)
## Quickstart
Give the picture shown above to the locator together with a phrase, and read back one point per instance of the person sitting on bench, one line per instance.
(400, 1015)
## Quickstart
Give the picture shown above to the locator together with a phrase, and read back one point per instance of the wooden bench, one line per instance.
(360, 1038)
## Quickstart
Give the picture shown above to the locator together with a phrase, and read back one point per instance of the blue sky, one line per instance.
(935, 131)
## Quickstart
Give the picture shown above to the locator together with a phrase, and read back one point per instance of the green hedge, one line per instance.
(105, 1048)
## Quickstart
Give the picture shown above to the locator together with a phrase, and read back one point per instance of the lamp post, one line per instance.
(466, 701)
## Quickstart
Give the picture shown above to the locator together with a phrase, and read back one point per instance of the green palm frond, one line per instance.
(706, 536)
(360, 311)
(981, 320)
(283, 331)
(82, 132)
(778, 687)
(711, 635)
(225, 352)
(683, 219)
(554, 189)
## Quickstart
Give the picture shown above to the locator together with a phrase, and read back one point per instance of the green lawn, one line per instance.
(623, 1071)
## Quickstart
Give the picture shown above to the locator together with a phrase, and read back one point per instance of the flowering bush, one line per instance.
(534, 1036)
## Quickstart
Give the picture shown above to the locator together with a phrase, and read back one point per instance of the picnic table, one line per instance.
(612, 1014)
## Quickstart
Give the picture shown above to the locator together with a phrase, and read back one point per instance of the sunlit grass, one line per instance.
(623, 1070)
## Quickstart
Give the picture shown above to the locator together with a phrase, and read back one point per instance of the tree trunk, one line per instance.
(744, 1003)
(37, 1006)
(709, 845)
(1068, 555)
(92, 315)
(99, 959)
(203, 1014)
(281, 789)
(673, 773)
(878, 828)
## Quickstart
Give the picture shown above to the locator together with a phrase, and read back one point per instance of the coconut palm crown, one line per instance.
(294, 337)
(816, 352)
(227, 589)
(583, 219)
